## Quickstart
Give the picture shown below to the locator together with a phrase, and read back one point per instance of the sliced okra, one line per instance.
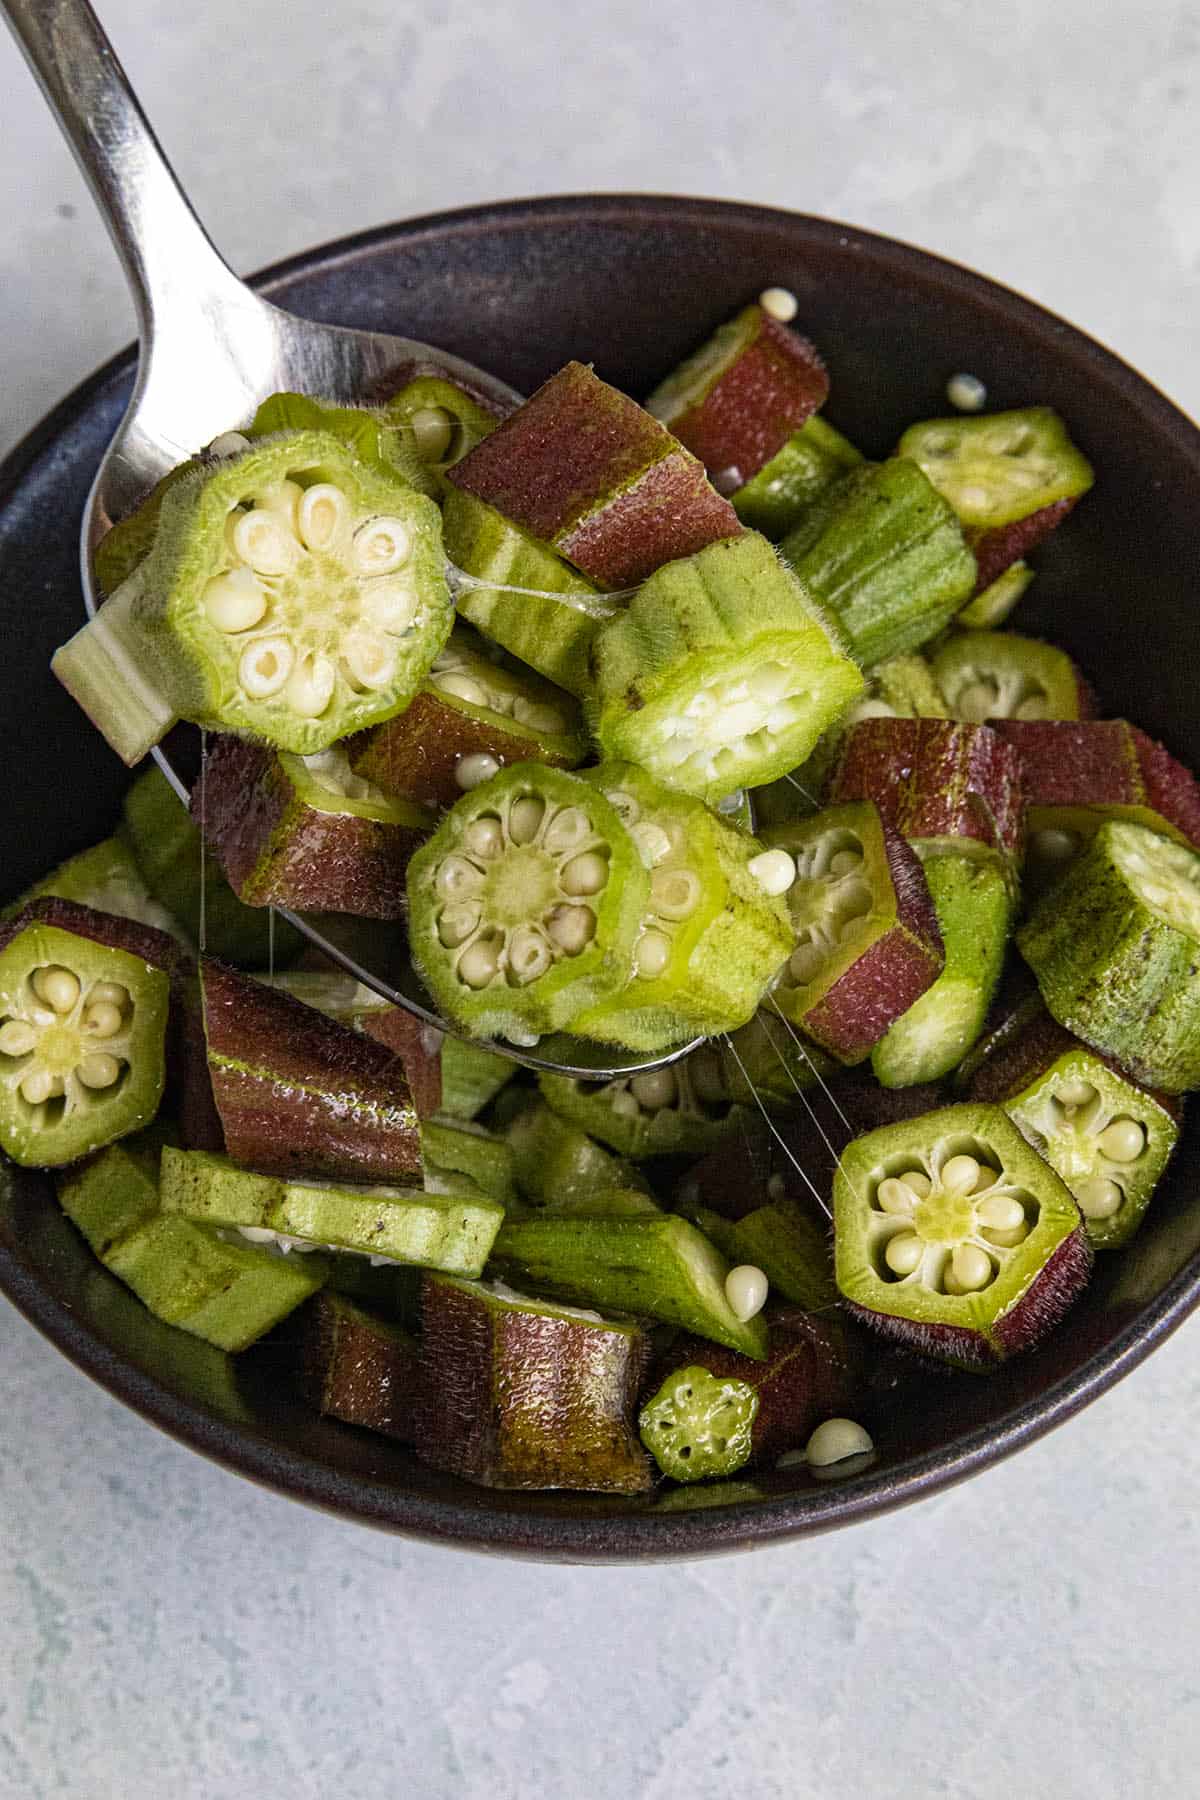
(783, 1240)
(437, 423)
(453, 1148)
(867, 944)
(942, 783)
(306, 831)
(993, 604)
(998, 675)
(84, 1005)
(974, 912)
(524, 906)
(646, 1263)
(472, 716)
(294, 594)
(583, 468)
(717, 1411)
(365, 431)
(227, 1294)
(184, 875)
(661, 1112)
(521, 1393)
(737, 400)
(775, 500)
(720, 674)
(1109, 1137)
(557, 1165)
(360, 1369)
(297, 1093)
(885, 553)
(107, 879)
(351, 1003)
(952, 1235)
(769, 1061)
(405, 1224)
(1115, 947)
(715, 928)
(471, 1077)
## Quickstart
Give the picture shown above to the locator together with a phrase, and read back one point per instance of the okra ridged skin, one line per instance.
(721, 673)
(999, 675)
(885, 553)
(557, 1165)
(998, 551)
(284, 836)
(358, 1368)
(351, 1003)
(519, 1393)
(812, 461)
(1111, 966)
(1077, 775)
(453, 1148)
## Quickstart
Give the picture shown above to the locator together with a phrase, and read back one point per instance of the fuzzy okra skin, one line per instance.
(885, 553)
(663, 1112)
(1115, 947)
(558, 1166)
(471, 1077)
(524, 906)
(358, 1368)
(721, 673)
(643, 1263)
(521, 1393)
(294, 593)
(454, 1148)
(952, 1236)
(999, 675)
(814, 458)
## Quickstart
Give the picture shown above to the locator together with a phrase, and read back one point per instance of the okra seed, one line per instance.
(263, 541)
(324, 516)
(972, 1267)
(99, 1070)
(652, 842)
(967, 393)
(835, 1440)
(525, 819)
(903, 1253)
(1099, 1199)
(572, 928)
(547, 720)
(960, 1174)
(469, 771)
(479, 964)
(457, 877)
(235, 601)
(805, 963)
(1075, 1093)
(484, 837)
(779, 303)
(1000, 1212)
(370, 659)
(230, 443)
(16, 1038)
(569, 829)
(655, 1089)
(265, 666)
(381, 546)
(37, 1087)
(1054, 846)
(310, 686)
(652, 954)
(918, 1181)
(462, 687)
(853, 903)
(1123, 1141)
(57, 986)
(624, 1104)
(433, 431)
(584, 874)
(987, 1179)
(773, 870)
(111, 993)
(675, 893)
(101, 1019)
(391, 606)
(529, 955)
(895, 1196)
(457, 922)
(746, 1291)
(1007, 1240)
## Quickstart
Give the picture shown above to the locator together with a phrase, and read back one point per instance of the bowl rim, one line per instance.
(484, 1520)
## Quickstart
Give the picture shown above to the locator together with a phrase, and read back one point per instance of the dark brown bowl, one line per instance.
(630, 284)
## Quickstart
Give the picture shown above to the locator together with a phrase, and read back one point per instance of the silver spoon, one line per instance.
(210, 352)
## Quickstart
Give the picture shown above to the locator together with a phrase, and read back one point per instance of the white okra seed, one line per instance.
(98, 1070)
(16, 1038)
(535, 716)
(805, 963)
(1098, 1199)
(675, 893)
(978, 702)
(773, 870)
(895, 1196)
(972, 1267)
(324, 516)
(381, 545)
(484, 837)
(37, 1087)
(265, 666)
(572, 928)
(1000, 1212)
(652, 842)
(469, 771)
(624, 1104)
(525, 819)
(779, 303)
(101, 1020)
(479, 964)
(1075, 1093)
(457, 878)
(903, 1253)
(57, 986)
(655, 1089)
(746, 1290)
(263, 541)
(458, 921)
(390, 605)
(707, 1077)
(569, 829)
(433, 431)
(1054, 846)
(835, 1440)
(918, 1181)
(960, 1174)
(110, 991)
(652, 954)
(461, 687)
(585, 874)
(1123, 1141)
(310, 686)
(235, 601)
(370, 658)
(529, 955)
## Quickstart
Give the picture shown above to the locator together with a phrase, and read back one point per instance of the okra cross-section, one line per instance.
(294, 594)
(952, 1235)
(998, 675)
(714, 930)
(84, 1003)
(661, 1112)
(720, 674)
(867, 943)
(524, 906)
(1115, 946)
(472, 717)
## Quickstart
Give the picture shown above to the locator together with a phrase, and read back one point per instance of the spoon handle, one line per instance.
(168, 258)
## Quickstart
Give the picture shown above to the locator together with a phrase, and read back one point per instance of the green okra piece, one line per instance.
(107, 878)
(999, 675)
(557, 1165)
(812, 461)
(999, 468)
(990, 608)
(770, 1061)
(457, 1147)
(436, 423)
(366, 431)
(684, 1108)
(721, 673)
(471, 1077)
(790, 1248)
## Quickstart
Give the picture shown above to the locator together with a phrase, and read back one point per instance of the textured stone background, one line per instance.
(170, 1630)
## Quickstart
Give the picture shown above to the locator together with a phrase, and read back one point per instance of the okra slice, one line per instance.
(1109, 1137)
(928, 1245)
(780, 1238)
(472, 716)
(993, 604)
(867, 943)
(557, 1165)
(456, 1148)
(405, 1224)
(294, 594)
(945, 785)
(720, 674)
(769, 1061)
(437, 423)
(185, 877)
(661, 1112)
(737, 400)
(227, 1294)
(84, 1004)
(715, 928)
(305, 831)
(775, 500)
(998, 675)
(299, 1094)
(651, 1264)
(1115, 947)
(360, 1369)
(471, 1077)
(974, 912)
(524, 906)
(520, 1393)
(583, 468)
(364, 430)
(521, 594)
(885, 553)
(351, 1003)
(107, 879)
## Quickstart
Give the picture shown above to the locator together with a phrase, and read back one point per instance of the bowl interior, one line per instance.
(631, 284)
